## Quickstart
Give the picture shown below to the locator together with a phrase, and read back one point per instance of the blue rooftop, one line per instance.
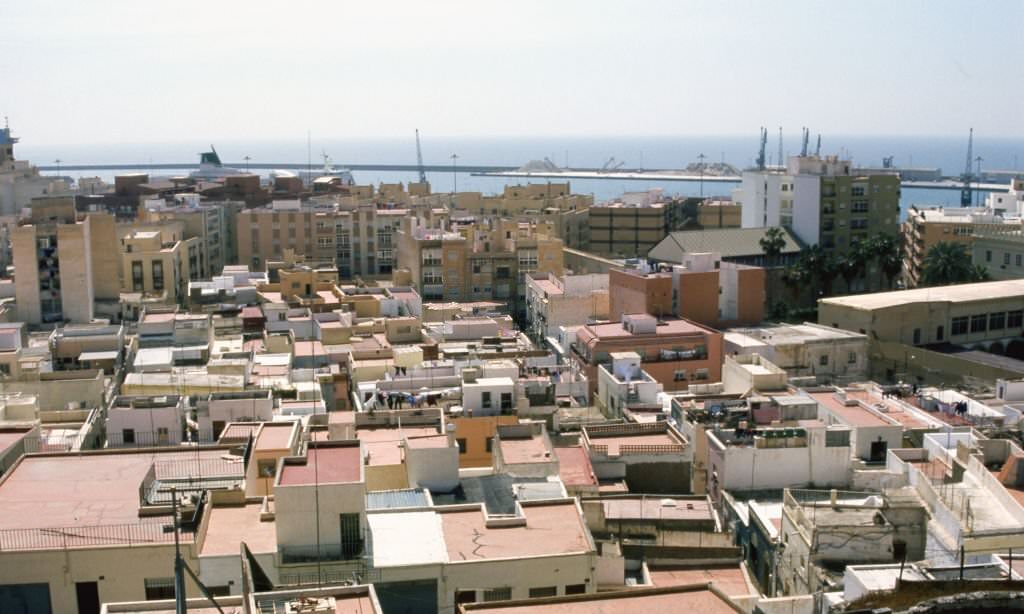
(392, 499)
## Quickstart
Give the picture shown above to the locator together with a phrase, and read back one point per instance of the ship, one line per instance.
(328, 173)
(210, 167)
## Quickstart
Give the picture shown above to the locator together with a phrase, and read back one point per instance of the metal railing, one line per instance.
(295, 555)
(63, 538)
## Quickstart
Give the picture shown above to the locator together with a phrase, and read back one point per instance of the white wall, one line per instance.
(807, 208)
(435, 469)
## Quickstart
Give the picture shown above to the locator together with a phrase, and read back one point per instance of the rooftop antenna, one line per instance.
(779, 159)
(965, 193)
(803, 145)
(817, 148)
(760, 151)
(419, 159)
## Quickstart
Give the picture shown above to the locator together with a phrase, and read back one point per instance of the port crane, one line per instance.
(968, 176)
(611, 165)
(760, 151)
(419, 159)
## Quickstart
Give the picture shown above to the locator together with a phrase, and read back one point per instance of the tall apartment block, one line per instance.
(925, 228)
(213, 223)
(478, 262)
(550, 203)
(62, 266)
(630, 226)
(358, 239)
(704, 289)
(824, 200)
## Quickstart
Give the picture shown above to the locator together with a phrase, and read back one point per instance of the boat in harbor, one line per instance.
(210, 167)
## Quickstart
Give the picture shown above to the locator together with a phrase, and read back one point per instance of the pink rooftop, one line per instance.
(324, 465)
(550, 529)
(574, 467)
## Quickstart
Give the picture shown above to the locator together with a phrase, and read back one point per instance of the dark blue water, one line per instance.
(652, 153)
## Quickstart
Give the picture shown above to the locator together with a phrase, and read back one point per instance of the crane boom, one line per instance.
(419, 159)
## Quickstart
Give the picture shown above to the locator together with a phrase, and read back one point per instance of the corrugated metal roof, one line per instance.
(391, 499)
(730, 242)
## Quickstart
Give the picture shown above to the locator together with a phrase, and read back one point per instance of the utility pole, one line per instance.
(57, 162)
(180, 599)
(247, 158)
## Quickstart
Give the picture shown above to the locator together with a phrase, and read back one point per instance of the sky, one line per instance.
(131, 71)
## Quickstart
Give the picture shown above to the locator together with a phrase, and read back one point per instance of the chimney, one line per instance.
(450, 430)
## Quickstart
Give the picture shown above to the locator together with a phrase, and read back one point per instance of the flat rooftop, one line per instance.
(729, 579)
(89, 489)
(324, 465)
(853, 415)
(236, 432)
(275, 436)
(10, 438)
(382, 443)
(616, 443)
(614, 330)
(659, 600)
(229, 526)
(524, 450)
(958, 293)
(551, 529)
(574, 467)
(637, 508)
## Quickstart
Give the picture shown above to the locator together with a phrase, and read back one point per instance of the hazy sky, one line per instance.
(137, 71)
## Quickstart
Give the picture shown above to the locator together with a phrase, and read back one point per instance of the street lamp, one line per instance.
(455, 186)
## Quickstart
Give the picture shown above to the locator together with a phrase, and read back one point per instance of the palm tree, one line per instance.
(889, 254)
(772, 244)
(950, 263)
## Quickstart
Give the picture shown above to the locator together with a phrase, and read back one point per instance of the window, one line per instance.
(461, 442)
(959, 326)
(1006, 259)
(859, 206)
(940, 332)
(128, 436)
(506, 400)
(679, 375)
(823, 360)
(1014, 319)
(979, 324)
(997, 321)
(158, 274)
(988, 255)
(543, 591)
(137, 275)
(1017, 260)
(851, 358)
(837, 439)
(267, 467)
(490, 444)
(701, 374)
(485, 399)
(351, 535)
(917, 336)
(575, 589)
(498, 594)
(159, 588)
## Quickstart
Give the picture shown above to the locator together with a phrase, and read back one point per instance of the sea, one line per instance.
(647, 152)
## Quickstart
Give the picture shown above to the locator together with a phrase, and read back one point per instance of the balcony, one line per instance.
(301, 555)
